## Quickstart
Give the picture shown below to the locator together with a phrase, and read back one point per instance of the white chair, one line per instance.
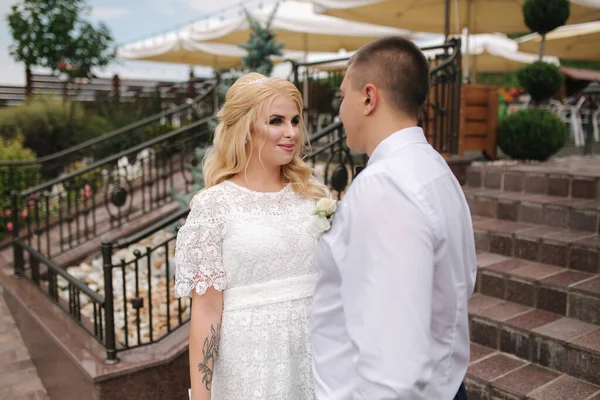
(575, 122)
(595, 124)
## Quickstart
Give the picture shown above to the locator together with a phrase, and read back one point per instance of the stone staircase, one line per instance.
(535, 316)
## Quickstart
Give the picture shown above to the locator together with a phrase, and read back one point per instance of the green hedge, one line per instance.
(12, 149)
(45, 125)
(532, 134)
(541, 80)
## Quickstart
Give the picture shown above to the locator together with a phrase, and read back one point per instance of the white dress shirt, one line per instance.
(396, 270)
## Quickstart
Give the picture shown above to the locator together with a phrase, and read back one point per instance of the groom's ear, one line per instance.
(370, 99)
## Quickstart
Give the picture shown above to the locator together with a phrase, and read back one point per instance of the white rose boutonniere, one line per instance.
(326, 207)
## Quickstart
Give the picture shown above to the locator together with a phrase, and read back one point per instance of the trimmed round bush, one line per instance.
(541, 80)
(543, 16)
(532, 134)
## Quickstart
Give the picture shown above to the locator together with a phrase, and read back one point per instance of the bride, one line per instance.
(246, 254)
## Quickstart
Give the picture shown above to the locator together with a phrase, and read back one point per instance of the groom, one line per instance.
(398, 265)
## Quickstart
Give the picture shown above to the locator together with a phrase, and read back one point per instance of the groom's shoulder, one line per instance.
(373, 179)
(409, 171)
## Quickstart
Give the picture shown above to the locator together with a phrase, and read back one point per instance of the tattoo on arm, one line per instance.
(210, 351)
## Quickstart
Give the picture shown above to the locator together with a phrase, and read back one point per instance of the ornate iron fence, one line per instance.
(83, 304)
(62, 214)
(143, 309)
(20, 175)
(332, 161)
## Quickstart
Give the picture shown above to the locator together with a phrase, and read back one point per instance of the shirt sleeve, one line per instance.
(386, 261)
(198, 250)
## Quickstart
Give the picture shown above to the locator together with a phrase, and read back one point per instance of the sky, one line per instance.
(128, 20)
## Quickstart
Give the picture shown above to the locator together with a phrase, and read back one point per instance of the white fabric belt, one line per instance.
(277, 291)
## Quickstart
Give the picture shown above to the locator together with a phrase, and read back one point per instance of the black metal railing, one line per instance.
(72, 295)
(19, 175)
(332, 161)
(440, 118)
(140, 307)
(319, 83)
(66, 212)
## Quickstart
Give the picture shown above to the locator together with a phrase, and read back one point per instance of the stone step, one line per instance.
(553, 211)
(576, 250)
(577, 178)
(493, 374)
(565, 292)
(560, 344)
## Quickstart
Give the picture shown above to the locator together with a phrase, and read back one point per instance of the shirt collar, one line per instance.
(396, 140)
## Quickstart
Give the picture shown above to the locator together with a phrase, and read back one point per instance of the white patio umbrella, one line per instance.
(479, 16)
(179, 48)
(295, 24)
(487, 52)
(578, 42)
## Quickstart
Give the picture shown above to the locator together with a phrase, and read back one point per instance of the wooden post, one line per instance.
(28, 82)
(463, 119)
(116, 84)
(492, 128)
(191, 92)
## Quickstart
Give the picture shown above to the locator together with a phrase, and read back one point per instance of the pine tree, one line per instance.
(261, 45)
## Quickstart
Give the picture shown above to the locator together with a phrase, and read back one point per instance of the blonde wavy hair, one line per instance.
(238, 117)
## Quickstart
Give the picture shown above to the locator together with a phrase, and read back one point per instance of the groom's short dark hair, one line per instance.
(397, 66)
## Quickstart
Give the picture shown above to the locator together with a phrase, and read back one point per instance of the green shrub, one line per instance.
(46, 127)
(23, 176)
(543, 16)
(541, 80)
(120, 114)
(532, 134)
(12, 149)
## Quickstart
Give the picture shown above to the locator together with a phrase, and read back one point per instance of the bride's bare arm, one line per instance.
(205, 328)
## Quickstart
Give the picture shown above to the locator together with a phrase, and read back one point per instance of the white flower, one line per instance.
(326, 207)
(322, 224)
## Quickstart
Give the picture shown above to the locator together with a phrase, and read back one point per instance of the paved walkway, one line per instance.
(19, 379)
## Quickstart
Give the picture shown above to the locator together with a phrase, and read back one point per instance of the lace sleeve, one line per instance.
(198, 251)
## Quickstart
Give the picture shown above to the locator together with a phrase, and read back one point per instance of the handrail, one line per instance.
(117, 132)
(328, 146)
(138, 236)
(448, 60)
(61, 271)
(115, 157)
(325, 131)
(135, 238)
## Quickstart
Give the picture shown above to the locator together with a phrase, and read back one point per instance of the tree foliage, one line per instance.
(261, 45)
(55, 34)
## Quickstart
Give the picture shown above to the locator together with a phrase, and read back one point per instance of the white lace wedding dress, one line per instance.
(259, 249)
